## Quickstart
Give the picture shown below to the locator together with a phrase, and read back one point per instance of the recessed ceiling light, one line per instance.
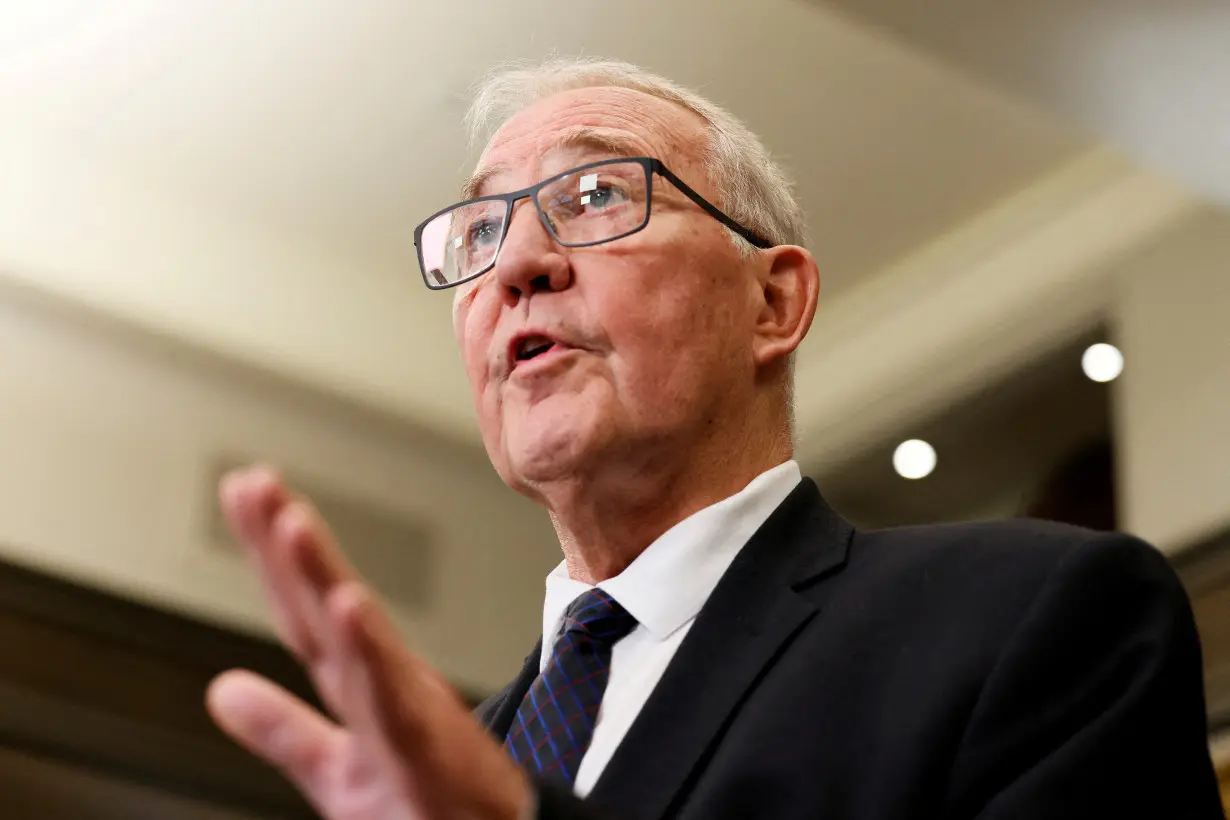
(1102, 362)
(914, 459)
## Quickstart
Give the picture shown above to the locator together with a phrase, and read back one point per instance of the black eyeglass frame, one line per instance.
(651, 166)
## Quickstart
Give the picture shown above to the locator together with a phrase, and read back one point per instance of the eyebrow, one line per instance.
(584, 138)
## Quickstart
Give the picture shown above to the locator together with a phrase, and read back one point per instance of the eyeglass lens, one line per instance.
(584, 207)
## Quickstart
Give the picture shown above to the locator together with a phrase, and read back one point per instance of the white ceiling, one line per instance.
(1150, 76)
(336, 125)
(342, 118)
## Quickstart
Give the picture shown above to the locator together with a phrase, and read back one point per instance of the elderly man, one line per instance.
(630, 285)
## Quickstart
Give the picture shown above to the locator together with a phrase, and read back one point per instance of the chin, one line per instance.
(546, 459)
(546, 449)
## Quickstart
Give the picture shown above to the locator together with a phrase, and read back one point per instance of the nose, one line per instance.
(530, 260)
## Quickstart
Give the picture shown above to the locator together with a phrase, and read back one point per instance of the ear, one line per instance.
(789, 288)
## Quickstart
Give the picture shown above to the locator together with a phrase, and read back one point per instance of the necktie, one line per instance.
(555, 721)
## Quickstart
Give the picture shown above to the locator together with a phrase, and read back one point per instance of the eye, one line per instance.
(603, 197)
(606, 195)
(482, 232)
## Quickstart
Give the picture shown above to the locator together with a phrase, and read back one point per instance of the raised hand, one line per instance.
(401, 746)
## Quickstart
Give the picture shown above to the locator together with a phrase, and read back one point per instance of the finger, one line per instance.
(306, 567)
(347, 678)
(279, 728)
(401, 693)
(273, 525)
(251, 500)
(422, 723)
(294, 531)
(315, 552)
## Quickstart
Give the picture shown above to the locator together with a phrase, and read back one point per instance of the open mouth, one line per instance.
(532, 347)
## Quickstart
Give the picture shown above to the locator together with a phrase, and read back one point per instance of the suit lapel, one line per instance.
(498, 715)
(746, 624)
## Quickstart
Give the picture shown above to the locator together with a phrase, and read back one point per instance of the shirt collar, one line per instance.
(668, 583)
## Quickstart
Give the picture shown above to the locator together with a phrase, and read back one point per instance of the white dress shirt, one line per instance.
(664, 589)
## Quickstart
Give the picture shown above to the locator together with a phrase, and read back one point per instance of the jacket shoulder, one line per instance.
(1012, 546)
(994, 571)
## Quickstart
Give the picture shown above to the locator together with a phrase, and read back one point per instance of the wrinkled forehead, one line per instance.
(572, 127)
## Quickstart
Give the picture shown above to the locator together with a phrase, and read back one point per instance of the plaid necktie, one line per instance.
(556, 719)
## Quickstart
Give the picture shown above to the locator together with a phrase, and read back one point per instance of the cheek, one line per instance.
(474, 335)
(662, 355)
(679, 335)
(674, 304)
(475, 344)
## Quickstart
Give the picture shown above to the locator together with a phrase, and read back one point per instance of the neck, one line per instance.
(604, 521)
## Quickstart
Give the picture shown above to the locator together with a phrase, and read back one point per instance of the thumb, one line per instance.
(276, 726)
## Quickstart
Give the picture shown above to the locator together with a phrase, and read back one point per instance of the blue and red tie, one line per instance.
(555, 721)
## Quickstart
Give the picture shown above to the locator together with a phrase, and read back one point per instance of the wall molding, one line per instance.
(335, 405)
(1014, 283)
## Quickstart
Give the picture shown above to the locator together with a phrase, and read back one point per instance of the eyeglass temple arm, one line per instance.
(709, 207)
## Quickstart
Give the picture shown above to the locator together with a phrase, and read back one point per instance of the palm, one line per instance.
(357, 778)
(355, 787)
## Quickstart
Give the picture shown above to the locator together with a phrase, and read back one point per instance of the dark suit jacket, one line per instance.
(1001, 670)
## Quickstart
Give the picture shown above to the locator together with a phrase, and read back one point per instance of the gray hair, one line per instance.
(751, 187)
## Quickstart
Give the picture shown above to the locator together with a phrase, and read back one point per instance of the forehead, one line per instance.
(634, 122)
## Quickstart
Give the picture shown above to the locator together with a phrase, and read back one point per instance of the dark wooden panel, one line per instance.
(118, 687)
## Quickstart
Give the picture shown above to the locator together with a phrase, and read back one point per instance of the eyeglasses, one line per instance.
(595, 203)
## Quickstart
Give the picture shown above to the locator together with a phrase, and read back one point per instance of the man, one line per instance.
(718, 643)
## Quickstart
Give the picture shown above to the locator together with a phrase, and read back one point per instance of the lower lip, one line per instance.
(541, 362)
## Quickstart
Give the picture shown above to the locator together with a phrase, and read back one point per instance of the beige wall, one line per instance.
(108, 439)
(339, 318)
(1172, 319)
